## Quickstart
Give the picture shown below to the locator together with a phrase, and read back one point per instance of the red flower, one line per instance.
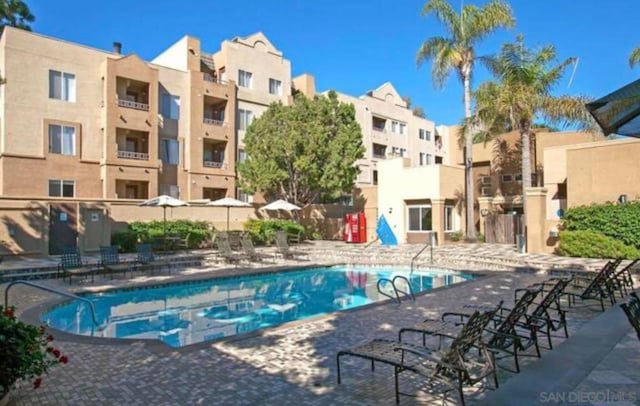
(49, 337)
(64, 359)
(56, 353)
(9, 313)
(37, 383)
(49, 349)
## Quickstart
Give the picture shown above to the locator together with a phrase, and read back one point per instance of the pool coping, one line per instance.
(32, 314)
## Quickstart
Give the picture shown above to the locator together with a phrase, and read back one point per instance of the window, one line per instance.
(421, 133)
(422, 157)
(245, 197)
(507, 178)
(169, 151)
(403, 152)
(242, 155)
(485, 191)
(244, 78)
(395, 151)
(62, 86)
(62, 188)
(403, 128)
(170, 106)
(394, 126)
(485, 180)
(62, 139)
(246, 117)
(170, 190)
(448, 218)
(275, 87)
(419, 218)
(518, 177)
(427, 135)
(375, 177)
(428, 159)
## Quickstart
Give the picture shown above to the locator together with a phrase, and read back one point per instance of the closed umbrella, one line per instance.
(164, 201)
(228, 202)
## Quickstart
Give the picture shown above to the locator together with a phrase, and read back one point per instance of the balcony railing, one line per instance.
(213, 121)
(379, 129)
(214, 164)
(379, 156)
(140, 156)
(210, 78)
(133, 105)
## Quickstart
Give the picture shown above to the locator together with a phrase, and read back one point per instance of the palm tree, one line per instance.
(15, 13)
(523, 92)
(456, 52)
(634, 58)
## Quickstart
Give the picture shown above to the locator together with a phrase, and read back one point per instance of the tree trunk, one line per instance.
(468, 163)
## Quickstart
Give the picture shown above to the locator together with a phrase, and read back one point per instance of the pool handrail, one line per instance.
(434, 238)
(48, 289)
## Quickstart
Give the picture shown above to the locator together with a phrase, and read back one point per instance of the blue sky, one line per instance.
(354, 46)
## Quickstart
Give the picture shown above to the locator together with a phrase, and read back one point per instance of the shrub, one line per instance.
(262, 232)
(25, 350)
(147, 232)
(480, 237)
(455, 236)
(590, 244)
(620, 222)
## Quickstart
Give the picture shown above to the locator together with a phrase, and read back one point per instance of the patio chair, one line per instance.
(618, 278)
(632, 310)
(250, 250)
(71, 264)
(111, 263)
(224, 251)
(445, 371)
(283, 247)
(146, 258)
(601, 287)
(507, 338)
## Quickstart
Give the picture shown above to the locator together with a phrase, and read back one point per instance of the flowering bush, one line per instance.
(25, 350)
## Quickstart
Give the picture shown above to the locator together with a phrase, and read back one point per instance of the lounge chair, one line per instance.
(283, 247)
(111, 263)
(224, 251)
(146, 258)
(507, 339)
(71, 264)
(445, 371)
(250, 250)
(601, 287)
(632, 310)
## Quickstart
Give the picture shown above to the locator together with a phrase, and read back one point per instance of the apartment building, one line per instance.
(390, 129)
(85, 123)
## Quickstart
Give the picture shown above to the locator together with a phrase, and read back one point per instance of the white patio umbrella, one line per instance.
(164, 201)
(281, 205)
(228, 202)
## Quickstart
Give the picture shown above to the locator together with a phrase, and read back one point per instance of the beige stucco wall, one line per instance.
(433, 184)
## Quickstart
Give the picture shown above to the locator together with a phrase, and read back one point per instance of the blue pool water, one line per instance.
(189, 313)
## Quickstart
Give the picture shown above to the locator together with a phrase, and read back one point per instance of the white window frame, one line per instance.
(403, 128)
(172, 103)
(245, 78)
(427, 135)
(67, 86)
(485, 191)
(421, 207)
(422, 158)
(421, 133)
(485, 180)
(242, 155)
(449, 225)
(428, 159)
(275, 87)
(62, 138)
(507, 178)
(61, 185)
(245, 118)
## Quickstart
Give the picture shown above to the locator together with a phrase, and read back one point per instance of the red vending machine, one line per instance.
(347, 234)
(351, 228)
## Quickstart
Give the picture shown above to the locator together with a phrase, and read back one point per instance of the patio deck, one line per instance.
(294, 363)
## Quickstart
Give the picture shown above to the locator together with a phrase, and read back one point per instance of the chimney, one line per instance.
(117, 48)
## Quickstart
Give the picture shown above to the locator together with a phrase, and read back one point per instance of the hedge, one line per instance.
(147, 232)
(591, 244)
(262, 232)
(620, 222)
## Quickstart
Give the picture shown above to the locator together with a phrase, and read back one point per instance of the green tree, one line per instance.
(522, 92)
(418, 112)
(634, 57)
(456, 53)
(15, 13)
(303, 151)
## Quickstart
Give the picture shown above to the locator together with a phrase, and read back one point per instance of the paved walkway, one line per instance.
(292, 364)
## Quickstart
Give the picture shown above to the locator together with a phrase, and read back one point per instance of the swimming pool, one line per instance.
(189, 313)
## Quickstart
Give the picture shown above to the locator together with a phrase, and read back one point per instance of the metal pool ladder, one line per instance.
(432, 241)
(409, 293)
(48, 289)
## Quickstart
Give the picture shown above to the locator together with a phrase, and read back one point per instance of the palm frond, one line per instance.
(445, 14)
(634, 57)
(568, 110)
(480, 22)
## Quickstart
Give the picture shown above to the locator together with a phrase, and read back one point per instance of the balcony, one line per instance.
(213, 154)
(379, 129)
(379, 151)
(213, 78)
(140, 156)
(132, 94)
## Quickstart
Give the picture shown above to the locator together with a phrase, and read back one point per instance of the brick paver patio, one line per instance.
(292, 364)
